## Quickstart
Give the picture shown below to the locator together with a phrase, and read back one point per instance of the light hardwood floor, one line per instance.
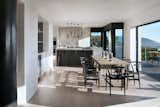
(64, 87)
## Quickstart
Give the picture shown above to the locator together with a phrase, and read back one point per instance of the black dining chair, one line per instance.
(115, 73)
(133, 72)
(89, 73)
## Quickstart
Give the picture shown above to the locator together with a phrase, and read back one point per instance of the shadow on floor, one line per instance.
(151, 70)
(70, 97)
(149, 64)
(152, 75)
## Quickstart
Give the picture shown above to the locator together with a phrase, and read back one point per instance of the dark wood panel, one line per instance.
(8, 88)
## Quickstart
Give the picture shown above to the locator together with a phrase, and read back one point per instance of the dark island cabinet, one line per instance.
(71, 57)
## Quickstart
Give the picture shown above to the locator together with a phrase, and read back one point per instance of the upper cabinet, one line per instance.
(40, 37)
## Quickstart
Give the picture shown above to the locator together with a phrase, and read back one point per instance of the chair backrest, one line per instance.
(131, 66)
(139, 65)
(88, 65)
(84, 63)
(116, 70)
(109, 72)
(134, 66)
(82, 60)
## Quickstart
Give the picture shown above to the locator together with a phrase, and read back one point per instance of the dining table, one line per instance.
(107, 64)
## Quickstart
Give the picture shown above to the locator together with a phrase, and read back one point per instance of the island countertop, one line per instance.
(73, 49)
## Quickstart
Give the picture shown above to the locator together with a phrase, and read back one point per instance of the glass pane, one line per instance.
(150, 42)
(149, 49)
(96, 39)
(118, 42)
(108, 41)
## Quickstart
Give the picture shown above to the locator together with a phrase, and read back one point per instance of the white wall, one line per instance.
(31, 67)
(27, 61)
(85, 42)
(21, 97)
(133, 44)
(47, 55)
(55, 31)
(126, 41)
(50, 46)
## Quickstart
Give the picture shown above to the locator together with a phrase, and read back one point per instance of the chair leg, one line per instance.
(134, 80)
(127, 83)
(121, 84)
(139, 80)
(106, 82)
(110, 87)
(85, 83)
(106, 85)
(139, 83)
(124, 86)
(98, 83)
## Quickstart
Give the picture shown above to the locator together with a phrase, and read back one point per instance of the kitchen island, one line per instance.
(71, 56)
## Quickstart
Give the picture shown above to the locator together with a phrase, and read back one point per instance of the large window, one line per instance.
(96, 39)
(148, 49)
(113, 39)
(109, 37)
(150, 42)
(119, 43)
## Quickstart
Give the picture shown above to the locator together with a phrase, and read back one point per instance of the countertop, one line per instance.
(73, 49)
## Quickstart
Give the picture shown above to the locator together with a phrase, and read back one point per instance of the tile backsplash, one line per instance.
(70, 36)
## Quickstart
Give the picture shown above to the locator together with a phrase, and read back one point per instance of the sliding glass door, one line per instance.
(119, 43)
(150, 42)
(149, 49)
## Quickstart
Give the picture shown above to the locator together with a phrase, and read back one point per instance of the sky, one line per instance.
(118, 32)
(95, 33)
(151, 31)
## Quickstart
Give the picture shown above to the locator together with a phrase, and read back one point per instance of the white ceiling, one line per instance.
(92, 12)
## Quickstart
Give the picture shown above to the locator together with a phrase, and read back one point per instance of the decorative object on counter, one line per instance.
(105, 54)
(97, 51)
(110, 55)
